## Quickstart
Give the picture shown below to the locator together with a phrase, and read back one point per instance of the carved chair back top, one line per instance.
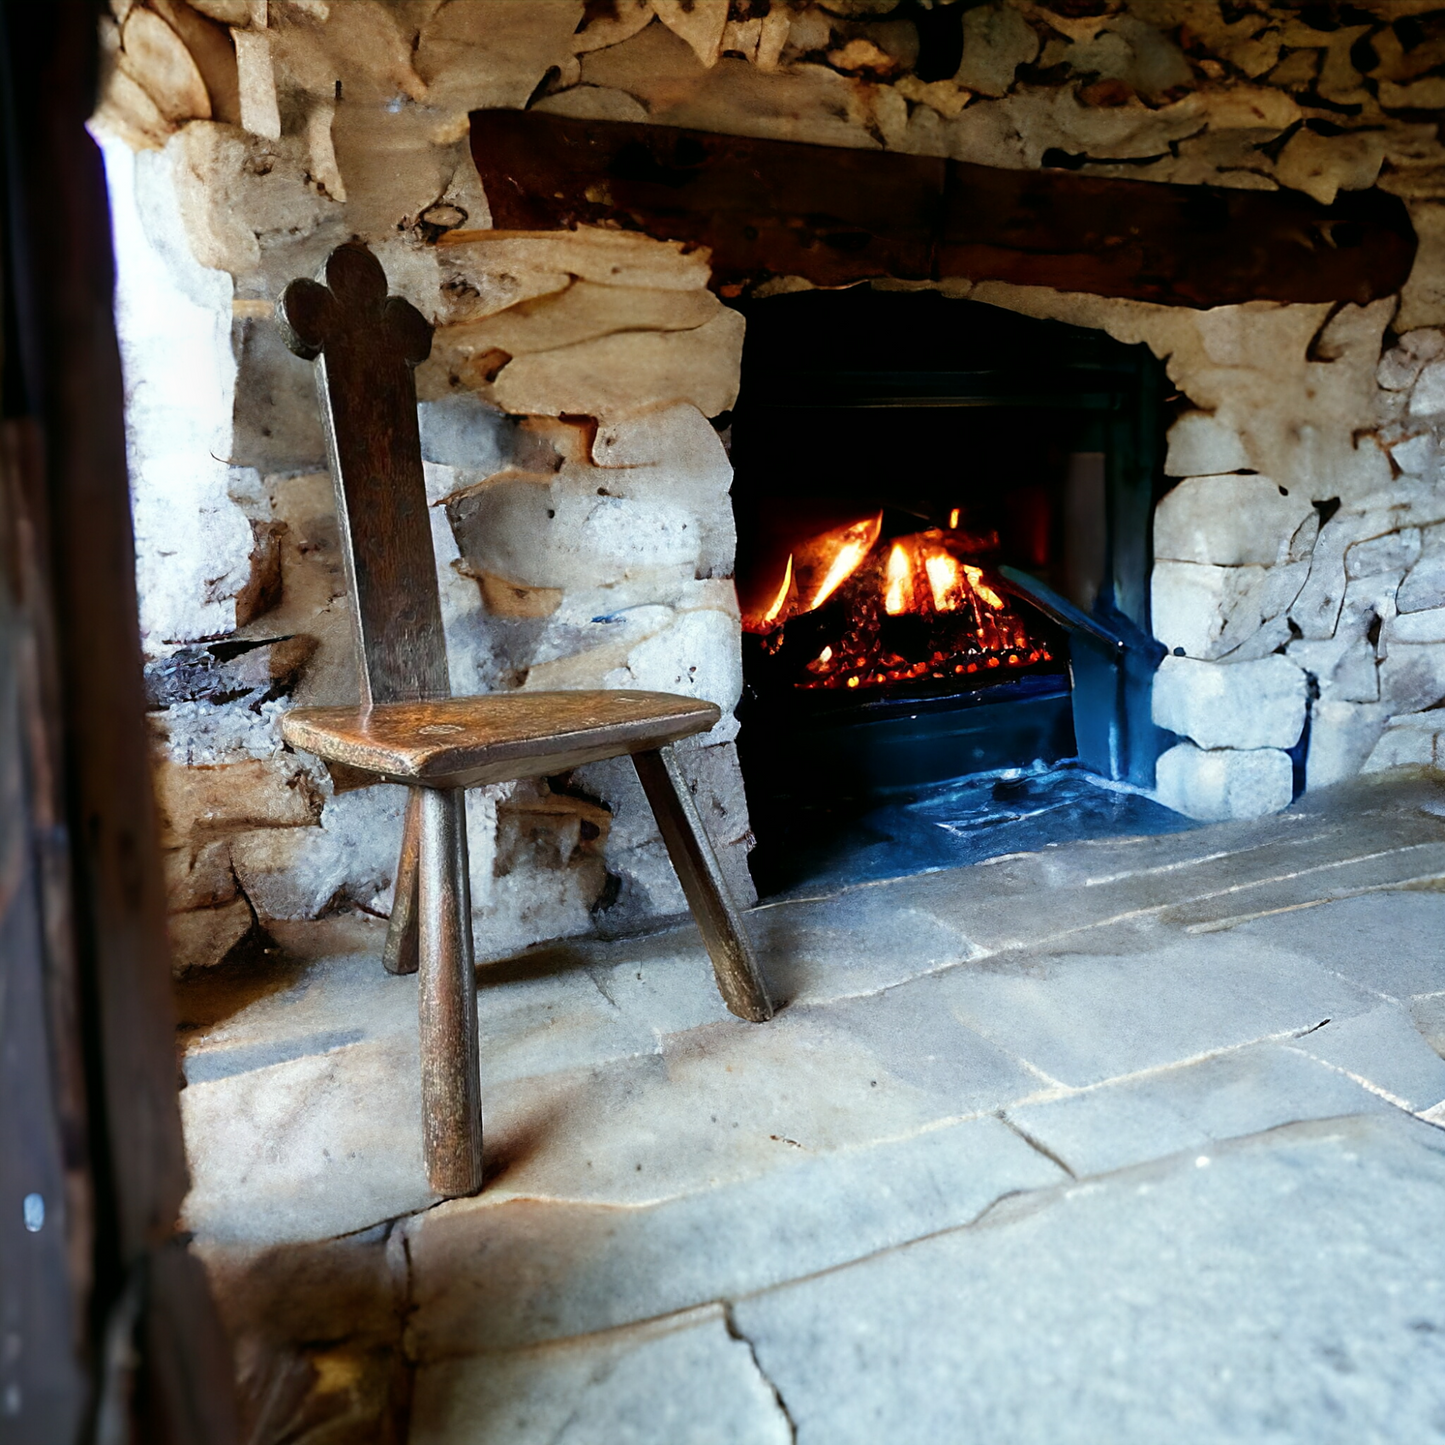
(366, 346)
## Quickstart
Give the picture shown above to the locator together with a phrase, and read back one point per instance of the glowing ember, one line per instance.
(917, 608)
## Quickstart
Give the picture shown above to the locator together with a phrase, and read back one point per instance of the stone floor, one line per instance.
(1126, 1140)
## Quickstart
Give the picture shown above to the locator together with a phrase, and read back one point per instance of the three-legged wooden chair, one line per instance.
(408, 729)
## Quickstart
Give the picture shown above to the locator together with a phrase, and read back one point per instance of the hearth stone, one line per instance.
(1257, 704)
(1219, 783)
(1201, 1031)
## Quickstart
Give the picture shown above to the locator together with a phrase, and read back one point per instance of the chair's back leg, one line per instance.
(718, 919)
(399, 955)
(447, 999)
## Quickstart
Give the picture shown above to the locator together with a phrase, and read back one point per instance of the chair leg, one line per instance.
(723, 934)
(447, 998)
(399, 955)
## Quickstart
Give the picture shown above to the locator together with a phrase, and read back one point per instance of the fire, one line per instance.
(898, 593)
(833, 557)
(913, 609)
(771, 615)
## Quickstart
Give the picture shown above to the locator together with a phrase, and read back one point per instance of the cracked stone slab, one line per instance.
(501, 1271)
(605, 1390)
(1231, 1095)
(1082, 1018)
(1389, 943)
(1383, 1051)
(1287, 1288)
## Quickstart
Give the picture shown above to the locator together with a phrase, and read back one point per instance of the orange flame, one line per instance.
(898, 582)
(771, 615)
(838, 555)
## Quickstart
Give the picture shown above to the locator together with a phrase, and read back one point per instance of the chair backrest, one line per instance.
(366, 346)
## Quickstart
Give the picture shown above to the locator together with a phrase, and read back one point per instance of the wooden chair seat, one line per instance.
(463, 742)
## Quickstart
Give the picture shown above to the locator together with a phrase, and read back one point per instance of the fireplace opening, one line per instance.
(943, 515)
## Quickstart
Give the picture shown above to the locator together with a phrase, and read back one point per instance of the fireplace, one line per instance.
(943, 518)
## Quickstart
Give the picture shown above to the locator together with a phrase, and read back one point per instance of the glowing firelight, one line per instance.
(944, 581)
(853, 543)
(771, 615)
(898, 583)
(981, 589)
(953, 519)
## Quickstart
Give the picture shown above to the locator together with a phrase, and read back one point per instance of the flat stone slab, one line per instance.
(1289, 1288)
(954, 1046)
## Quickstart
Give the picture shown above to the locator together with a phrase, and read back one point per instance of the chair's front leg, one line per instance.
(399, 955)
(447, 998)
(718, 919)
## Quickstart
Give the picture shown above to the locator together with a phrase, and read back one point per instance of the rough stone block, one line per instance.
(1224, 783)
(1233, 520)
(1394, 553)
(1203, 445)
(1257, 704)
(1412, 675)
(1427, 625)
(629, 371)
(1424, 586)
(198, 877)
(296, 873)
(1342, 736)
(199, 802)
(611, 258)
(1399, 368)
(1414, 740)
(202, 937)
(173, 317)
(1428, 397)
(1191, 603)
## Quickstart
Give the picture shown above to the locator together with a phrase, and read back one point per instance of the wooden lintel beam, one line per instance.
(836, 216)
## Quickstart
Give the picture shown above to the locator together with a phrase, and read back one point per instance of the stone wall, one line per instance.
(582, 521)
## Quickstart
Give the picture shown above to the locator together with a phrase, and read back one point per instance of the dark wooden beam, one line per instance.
(836, 216)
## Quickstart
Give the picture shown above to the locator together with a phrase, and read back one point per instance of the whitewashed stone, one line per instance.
(1345, 667)
(1343, 735)
(238, 191)
(1417, 455)
(1224, 783)
(1412, 675)
(1395, 552)
(295, 873)
(1201, 444)
(1400, 367)
(1191, 603)
(1424, 587)
(578, 528)
(1257, 704)
(1411, 740)
(674, 453)
(1426, 625)
(193, 546)
(1231, 521)
(1428, 397)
